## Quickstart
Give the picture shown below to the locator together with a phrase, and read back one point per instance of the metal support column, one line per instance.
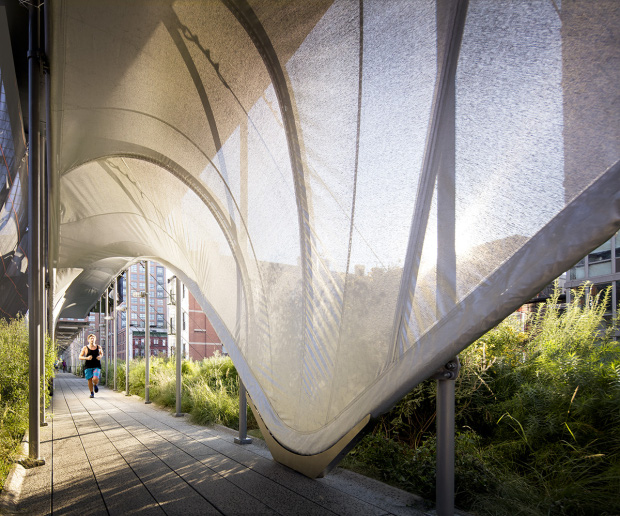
(445, 437)
(115, 330)
(450, 24)
(127, 328)
(34, 260)
(243, 416)
(179, 343)
(107, 327)
(101, 323)
(43, 302)
(49, 183)
(42, 274)
(147, 334)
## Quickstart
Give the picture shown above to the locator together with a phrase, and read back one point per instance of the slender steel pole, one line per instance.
(179, 343)
(445, 437)
(43, 300)
(115, 329)
(34, 292)
(43, 233)
(49, 285)
(127, 328)
(107, 322)
(147, 334)
(445, 164)
(445, 448)
(76, 350)
(243, 416)
(101, 323)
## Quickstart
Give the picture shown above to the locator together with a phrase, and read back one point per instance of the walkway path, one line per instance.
(115, 455)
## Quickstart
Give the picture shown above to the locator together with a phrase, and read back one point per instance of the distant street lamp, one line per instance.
(107, 320)
(127, 330)
(178, 343)
(115, 329)
(107, 348)
(121, 309)
(147, 331)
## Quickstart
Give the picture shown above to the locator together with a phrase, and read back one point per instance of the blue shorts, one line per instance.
(92, 371)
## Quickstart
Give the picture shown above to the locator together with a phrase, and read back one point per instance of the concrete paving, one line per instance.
(116, 455)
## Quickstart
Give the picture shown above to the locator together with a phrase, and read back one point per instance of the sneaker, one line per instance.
(96, 389)
(92, 395)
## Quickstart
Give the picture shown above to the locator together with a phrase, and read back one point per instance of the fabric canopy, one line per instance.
(14, 247)
(353, 191)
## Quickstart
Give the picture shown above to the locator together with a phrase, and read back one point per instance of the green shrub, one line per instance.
(14, 387)
(209, 388)
(558, 419)
(414, 468)
(213, 404)
(538, 419)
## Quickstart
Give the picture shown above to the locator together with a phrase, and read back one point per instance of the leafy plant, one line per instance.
(14, 387)
(538, 418)
(209, 388)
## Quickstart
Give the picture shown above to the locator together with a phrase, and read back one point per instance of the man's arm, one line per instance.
(100, 353)
(82, 356)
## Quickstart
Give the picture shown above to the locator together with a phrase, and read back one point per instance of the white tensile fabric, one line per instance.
(13, 181)
(346, 226)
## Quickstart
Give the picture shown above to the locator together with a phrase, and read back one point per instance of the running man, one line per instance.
(92, 353)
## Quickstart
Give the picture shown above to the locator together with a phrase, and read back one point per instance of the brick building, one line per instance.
(202, 340)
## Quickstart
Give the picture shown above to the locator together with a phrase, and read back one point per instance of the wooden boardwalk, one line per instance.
(116, 455)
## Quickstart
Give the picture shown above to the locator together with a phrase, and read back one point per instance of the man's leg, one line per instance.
(90, 384)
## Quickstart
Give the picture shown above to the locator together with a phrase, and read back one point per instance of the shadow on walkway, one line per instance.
(116, 455)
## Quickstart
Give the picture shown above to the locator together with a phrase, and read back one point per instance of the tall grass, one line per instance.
(209, 388)
(537, 415)
(14, 388)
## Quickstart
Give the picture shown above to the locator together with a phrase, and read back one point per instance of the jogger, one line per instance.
(92, 354)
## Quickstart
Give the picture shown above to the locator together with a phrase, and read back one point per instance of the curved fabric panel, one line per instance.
(13, 187)
(354, 191)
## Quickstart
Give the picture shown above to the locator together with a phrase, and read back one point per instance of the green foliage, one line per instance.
(14, 387)
(209, 388)
(14, 356)
(558, 416)
(414, 468)
(538, 413)
(214, 390)
(13, 390)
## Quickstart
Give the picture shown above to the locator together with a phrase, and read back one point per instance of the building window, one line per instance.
(617, 246)
(578, 271)
(599, 260)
